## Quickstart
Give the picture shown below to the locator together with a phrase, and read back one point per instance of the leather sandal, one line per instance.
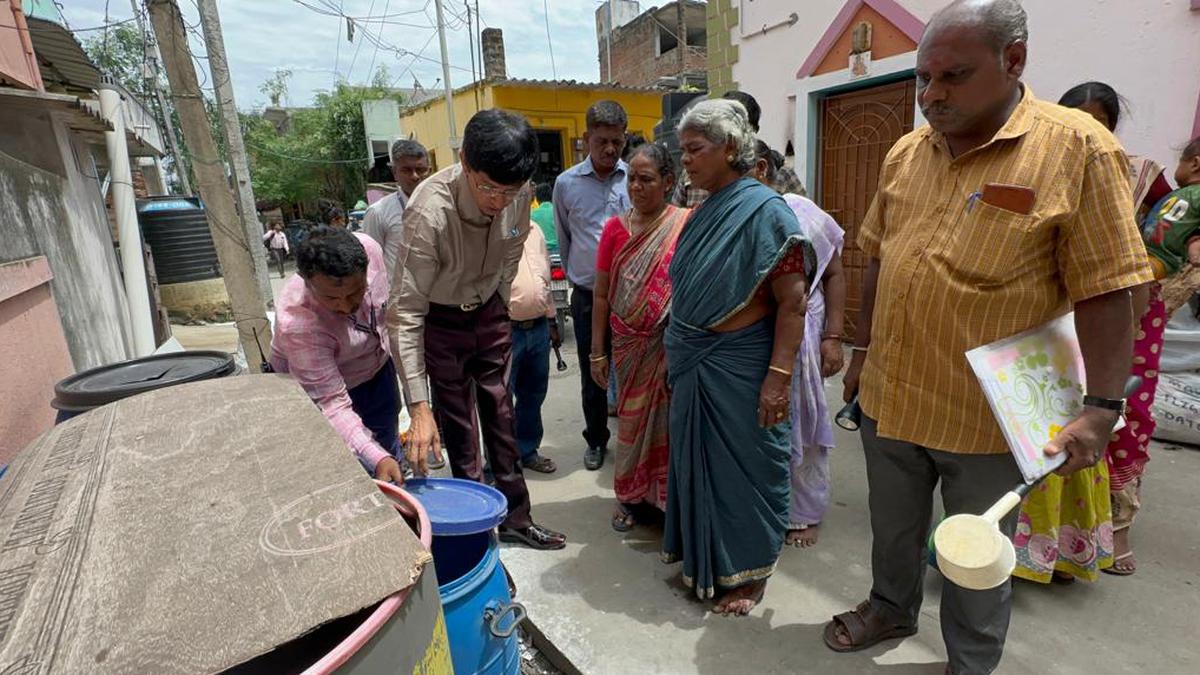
(865, 626)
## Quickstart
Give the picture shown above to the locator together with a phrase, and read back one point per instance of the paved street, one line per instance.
(613, 608)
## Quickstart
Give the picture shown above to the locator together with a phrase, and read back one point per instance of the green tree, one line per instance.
(276, 87)
(323, 153)
(120, 53)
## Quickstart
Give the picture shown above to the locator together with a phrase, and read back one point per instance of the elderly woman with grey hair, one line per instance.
(740, 277)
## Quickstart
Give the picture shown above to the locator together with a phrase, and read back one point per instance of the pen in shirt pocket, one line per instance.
(972, 198)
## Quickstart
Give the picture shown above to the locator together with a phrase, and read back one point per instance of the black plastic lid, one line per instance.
(98, 386)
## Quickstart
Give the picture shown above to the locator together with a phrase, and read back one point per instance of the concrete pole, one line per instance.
(455, 142)
(133, 264)
(229, 237)
(218, 65)
(681, 39)
(151, 77)
(608, 49)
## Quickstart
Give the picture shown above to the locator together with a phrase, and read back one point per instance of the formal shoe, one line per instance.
(535, 537)
(593, 458)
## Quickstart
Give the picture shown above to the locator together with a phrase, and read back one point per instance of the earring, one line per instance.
(729, 159)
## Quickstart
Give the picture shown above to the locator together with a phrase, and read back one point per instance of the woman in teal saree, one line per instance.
(740, 277)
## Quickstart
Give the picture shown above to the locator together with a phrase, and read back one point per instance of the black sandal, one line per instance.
(865, 626)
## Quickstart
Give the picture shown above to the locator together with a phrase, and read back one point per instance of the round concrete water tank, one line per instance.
(176, 230)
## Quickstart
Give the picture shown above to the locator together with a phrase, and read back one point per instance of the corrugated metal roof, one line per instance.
(574, 84)
(83, 118)
(64, 64)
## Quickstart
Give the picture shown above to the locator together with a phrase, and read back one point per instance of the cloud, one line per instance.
(264, 35)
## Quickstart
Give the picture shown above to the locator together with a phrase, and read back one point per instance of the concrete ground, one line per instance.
(609, 604)
(223, 336)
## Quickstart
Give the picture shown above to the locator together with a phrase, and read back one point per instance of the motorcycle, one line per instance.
(560, 289)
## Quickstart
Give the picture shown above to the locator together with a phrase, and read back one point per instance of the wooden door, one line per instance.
(857, 130)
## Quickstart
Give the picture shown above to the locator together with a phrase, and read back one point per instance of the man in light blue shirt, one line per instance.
(585, 197)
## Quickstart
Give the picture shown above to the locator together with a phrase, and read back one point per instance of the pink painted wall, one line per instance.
(1148, 50)
(35, 353)
(17, 61)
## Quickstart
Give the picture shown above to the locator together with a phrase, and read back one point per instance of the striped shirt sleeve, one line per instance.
(1100, 248)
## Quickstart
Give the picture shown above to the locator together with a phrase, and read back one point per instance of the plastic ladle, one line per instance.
(972, 551)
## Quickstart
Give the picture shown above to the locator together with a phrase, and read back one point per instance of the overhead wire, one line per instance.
(549, 42)
(371, 68)
(350, 70)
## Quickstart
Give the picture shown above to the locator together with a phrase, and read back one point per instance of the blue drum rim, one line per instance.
(486, 520)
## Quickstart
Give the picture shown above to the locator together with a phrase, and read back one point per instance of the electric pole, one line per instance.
(681, 26)
(455, 142)
(233, 247)
(218, 65)
(608, 48)
(150, 76)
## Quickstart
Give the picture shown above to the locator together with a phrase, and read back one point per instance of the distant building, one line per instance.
(646, 47)
(555, 108)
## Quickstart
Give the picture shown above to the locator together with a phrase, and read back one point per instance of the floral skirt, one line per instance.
(1066, 525)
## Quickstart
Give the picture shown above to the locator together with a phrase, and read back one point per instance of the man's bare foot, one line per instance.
(741, 600)
(1124, 563)
(804, 537)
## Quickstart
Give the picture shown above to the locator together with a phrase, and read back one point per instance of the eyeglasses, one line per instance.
(493, 191)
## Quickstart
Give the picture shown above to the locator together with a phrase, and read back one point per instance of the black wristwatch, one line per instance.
(1113, 404)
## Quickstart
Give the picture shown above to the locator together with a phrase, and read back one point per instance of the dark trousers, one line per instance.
(279, 255)
(901, 478)
(467, 357)
(377, 403)
(595, 399)
(530, 380)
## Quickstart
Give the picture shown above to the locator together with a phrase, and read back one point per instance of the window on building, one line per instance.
(666, 40)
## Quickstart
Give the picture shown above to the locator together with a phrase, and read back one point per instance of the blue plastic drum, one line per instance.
(481, 617)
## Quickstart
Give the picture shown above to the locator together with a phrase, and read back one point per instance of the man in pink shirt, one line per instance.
(331, 336)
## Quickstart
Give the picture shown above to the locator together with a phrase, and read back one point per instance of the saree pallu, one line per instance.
(727, 494)
(812, 425)
(1066, 525)
(640, 298)
(1128, 453)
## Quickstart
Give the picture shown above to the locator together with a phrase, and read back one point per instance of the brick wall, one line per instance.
(635, 59)
(721, 17)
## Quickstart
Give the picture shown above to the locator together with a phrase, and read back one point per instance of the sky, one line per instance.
(262, 36)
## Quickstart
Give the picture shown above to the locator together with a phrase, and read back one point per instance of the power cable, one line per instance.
(549, 43)
(350, 71)
(371, 68)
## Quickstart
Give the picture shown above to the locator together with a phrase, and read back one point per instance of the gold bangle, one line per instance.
(598, 358)
(779, 370)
